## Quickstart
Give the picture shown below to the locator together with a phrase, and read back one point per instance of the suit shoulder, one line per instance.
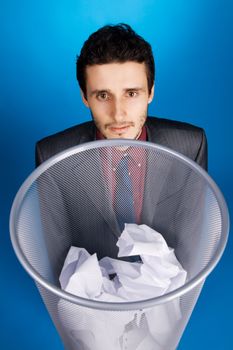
(167, 130)
(173, 125)
(73, 131)
(52, 144)
(182, 137)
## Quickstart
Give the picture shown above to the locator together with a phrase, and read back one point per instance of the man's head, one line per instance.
(115, 71)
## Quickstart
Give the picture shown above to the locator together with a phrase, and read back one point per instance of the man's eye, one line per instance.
(102, 96)
(132, 93)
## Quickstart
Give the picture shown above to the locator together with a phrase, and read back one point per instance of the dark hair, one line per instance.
(114, 43)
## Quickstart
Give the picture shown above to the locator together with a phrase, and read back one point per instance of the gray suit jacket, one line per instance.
(76, 206)
(181, 137)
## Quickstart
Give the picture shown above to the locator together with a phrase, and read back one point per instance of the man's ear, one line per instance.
(151, 96)
(84, 98)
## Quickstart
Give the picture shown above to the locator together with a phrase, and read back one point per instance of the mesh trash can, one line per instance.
(68, 201)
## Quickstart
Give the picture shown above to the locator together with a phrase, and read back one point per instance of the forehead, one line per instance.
(110, 75)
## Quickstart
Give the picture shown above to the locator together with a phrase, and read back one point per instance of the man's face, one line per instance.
(118, 96)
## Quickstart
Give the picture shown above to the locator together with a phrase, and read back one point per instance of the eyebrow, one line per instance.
(97, 91)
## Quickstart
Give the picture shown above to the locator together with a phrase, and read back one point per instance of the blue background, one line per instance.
(192, 43)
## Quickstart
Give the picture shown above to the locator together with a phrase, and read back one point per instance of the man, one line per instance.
(115, 71)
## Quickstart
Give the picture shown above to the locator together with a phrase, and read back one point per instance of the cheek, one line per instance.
(138, 106)
(142, 119)
(99, 110)
(100, 120)
(140, 114)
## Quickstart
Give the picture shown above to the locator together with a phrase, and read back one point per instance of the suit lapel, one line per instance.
(90, 177)
(155, 175)
(157, 171)
(164, 176)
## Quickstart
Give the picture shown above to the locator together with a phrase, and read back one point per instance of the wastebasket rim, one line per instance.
(121, 306)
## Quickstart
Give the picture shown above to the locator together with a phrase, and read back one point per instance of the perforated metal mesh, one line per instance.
(70, 201)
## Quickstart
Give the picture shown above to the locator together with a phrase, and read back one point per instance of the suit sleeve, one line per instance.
(202, 155)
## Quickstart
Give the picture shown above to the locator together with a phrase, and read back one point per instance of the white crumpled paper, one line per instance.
(158, 273)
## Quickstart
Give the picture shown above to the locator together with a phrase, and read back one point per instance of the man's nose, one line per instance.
(118, 112)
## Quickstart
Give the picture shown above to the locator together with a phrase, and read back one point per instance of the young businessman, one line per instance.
(79, 204)
(116, 73)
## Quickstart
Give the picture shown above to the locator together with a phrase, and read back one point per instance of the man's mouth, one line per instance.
(119, 129)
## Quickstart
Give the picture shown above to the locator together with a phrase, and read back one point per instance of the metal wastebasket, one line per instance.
(67, 201)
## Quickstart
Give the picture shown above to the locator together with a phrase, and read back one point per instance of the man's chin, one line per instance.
(121, 136)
